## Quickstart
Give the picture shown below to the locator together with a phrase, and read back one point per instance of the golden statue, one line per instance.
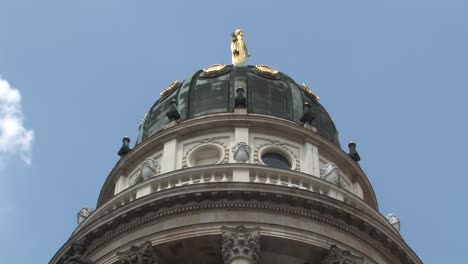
(238, 48)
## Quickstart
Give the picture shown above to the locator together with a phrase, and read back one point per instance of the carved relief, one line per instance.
(394, 221)
(338, 256)
(148, 168)
(143, 254)
(78, 248)
(241, 243)
(83, 214)
(283, 147)
(330, 172)
(241, 152)
(207, 142)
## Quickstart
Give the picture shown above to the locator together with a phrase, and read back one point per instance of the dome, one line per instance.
(214, 90)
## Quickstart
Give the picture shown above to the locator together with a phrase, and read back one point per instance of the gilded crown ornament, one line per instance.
(170, 88)
(309, 92)
(267, 70)
(214, 69)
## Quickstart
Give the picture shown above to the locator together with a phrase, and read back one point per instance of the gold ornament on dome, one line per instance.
(265, 69)
(214, 69)
(239, 51)
(309, 92)
(170, 88)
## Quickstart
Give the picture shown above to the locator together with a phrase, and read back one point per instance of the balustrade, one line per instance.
(257, 174)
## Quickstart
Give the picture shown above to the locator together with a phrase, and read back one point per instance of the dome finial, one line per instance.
(125, 149)
(353, 154)
(239, 50)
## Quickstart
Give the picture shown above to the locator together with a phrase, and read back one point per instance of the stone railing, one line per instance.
(229, 173)
(292, 179)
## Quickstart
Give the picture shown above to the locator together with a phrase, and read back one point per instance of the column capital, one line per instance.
(241, 243)
(142, 254)
(340, 256)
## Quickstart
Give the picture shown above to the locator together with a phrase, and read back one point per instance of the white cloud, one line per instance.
(14, 137)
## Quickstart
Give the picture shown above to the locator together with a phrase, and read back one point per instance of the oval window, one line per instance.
(276, 160)
(206, 155)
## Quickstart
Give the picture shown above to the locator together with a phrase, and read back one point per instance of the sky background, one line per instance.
(77, 76)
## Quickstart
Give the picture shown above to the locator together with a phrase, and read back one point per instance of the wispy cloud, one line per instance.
(15, 139)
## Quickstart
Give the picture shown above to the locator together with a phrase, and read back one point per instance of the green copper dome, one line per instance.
(213, 90)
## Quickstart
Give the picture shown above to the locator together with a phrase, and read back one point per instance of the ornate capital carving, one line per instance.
(338, 256)
(241, 242)
(143, 254)
(78, 248)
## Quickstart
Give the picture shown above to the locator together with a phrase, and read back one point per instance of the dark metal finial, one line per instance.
(307, 116)
(240, 101)
(125, 149)
(173, 114)
(353, 154)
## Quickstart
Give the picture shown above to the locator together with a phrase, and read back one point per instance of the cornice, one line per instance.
(246, 196)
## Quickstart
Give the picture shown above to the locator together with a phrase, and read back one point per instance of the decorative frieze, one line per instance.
(143, 254)
(241, 243)
(339, 256)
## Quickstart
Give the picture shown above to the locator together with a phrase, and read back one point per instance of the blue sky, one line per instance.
(77, 76)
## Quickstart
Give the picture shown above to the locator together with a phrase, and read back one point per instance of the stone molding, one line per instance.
(127, 196)
(339, 256)
(240, 242)
(318, 211)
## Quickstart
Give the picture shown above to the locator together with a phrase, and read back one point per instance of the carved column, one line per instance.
(241, 245)
(143, 254)
(338, 256)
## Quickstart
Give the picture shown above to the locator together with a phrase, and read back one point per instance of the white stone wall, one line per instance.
(216, 148)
